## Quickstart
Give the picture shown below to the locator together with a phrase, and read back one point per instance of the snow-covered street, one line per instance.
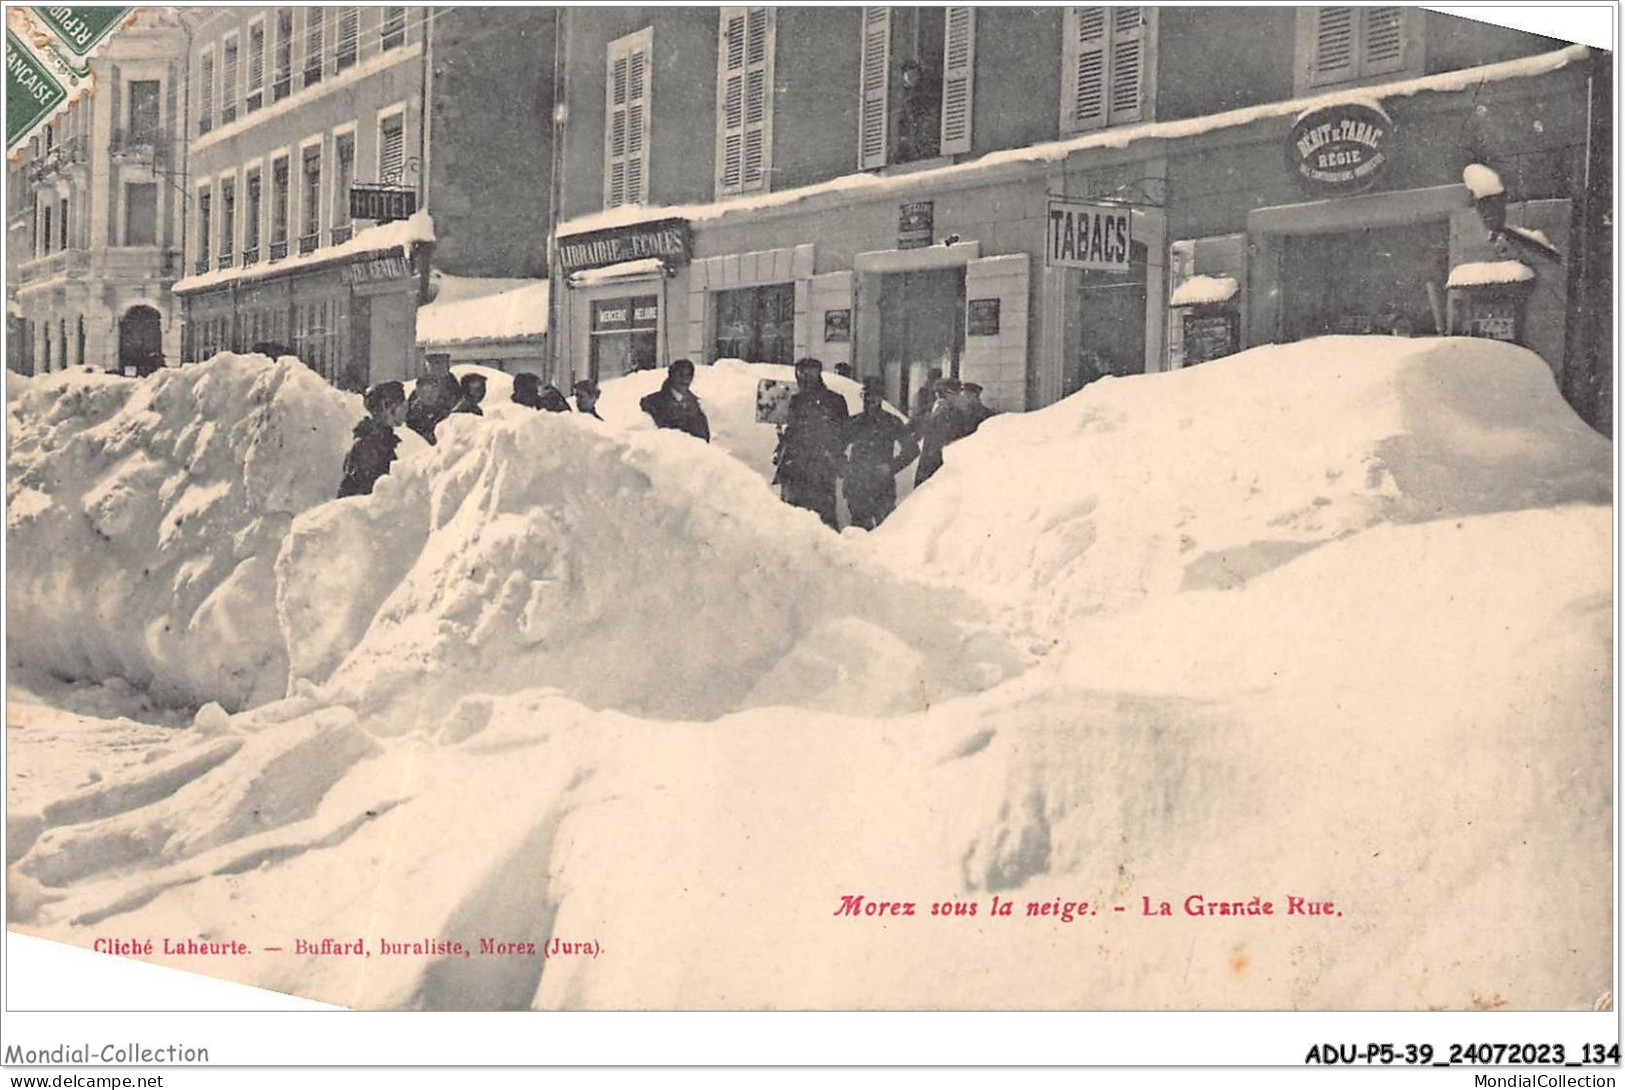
(1326, 625)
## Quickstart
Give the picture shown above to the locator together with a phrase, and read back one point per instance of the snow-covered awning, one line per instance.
(626, 270)
(399, 235)
(1202, 290)
(518, 314)
(1478, 274)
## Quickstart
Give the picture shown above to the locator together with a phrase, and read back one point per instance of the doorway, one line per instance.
(140, 341)
(1108, 326)
(922, 328)
(1376, 280)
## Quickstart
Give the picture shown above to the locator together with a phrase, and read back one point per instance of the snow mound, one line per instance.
(143, 518)
(1209, 476)
(1474, 274)
(1481, 181)
(644, 571)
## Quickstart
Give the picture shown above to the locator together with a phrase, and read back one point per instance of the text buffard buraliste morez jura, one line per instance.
(330, 947)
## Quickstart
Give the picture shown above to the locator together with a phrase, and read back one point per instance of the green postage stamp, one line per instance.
(48, 55)
(33, 94)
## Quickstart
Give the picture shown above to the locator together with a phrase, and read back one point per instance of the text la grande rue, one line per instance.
(1066, 911)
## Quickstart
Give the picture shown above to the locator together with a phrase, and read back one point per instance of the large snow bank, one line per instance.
(515, 313)
(1208, 476)
(143, 519)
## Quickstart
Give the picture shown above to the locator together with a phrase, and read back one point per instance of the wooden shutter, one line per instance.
(1334, 57)
(256, 58)
(315, 24)
(205, 96)
(874, 86)
(744, 98)
(1382, 41)
(349, 37)
(391, 148)
(958, 79)
(228, 81)
(626, 120)
(1129, 57)
(1088, 44)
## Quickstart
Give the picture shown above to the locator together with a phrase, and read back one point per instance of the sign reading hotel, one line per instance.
(1342, 148)
(382, 203)
(1088, 236)
(664, 239)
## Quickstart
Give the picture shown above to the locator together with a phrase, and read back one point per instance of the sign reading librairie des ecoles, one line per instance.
(1341, 148)
(1088, 236)
(382, 203)
(664, 239)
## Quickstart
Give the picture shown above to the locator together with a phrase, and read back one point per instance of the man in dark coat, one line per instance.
(527, 390)
(674, 404)
(375, 439)
(937, 428)
(971, 408)
(586, 391)
(431, 402)
(472, 386)
(809, 456)
(553, 400)
(877, 446)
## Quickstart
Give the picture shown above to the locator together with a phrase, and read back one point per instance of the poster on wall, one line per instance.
(982, 318)
(915, 225)
(837, 326)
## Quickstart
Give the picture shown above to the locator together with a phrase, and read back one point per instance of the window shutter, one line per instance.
(1334, 58)
(256, 58)
(205, 96)
(1382, 40)
(958, 78)
(730, 100)
(315, 20)
(616, 144)
(391, 149)
(228, 82)
(874, 78)
(626, 119)
(637, 127)
(1129, 48)
(1087, 44)
(349, 37)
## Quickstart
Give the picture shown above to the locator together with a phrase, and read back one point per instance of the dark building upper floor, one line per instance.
(671, 106)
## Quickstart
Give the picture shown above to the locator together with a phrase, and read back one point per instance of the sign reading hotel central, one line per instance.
(1342, 148)
(1088, 236)
(665, 239)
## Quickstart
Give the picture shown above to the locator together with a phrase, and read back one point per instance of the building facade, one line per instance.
(96, 214)
(1033, 198)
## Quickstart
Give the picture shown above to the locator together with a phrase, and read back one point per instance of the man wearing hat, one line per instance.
(375, 440)
(937, 428)
(877, 446)
(969, 404)
(809, 454)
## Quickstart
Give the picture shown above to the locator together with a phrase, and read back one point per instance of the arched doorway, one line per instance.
(140, 341)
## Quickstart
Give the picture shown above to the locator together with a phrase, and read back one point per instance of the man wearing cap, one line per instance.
(674, 404)
(937, 428)
(969, 404)
(375, 440)
(877, 446)
(809, 454)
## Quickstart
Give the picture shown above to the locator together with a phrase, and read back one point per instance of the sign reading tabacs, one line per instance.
(1088, 236)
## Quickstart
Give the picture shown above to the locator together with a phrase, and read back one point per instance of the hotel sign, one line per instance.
(1088, 236)
(1343, 148)
(667, 240)
(382, 203)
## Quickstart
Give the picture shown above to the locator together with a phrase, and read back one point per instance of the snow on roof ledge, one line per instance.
(517, 314)
(1476, 274)
(419, 227)
(864, 185)
(1200, 290)
(626, 270)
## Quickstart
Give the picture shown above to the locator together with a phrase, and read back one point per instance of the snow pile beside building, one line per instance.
(1206, 477)
(513, 313)
(143, 518)
(647, 572)
(1478, 274)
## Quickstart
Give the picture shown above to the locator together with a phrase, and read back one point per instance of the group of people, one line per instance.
(434, 399)
(820, 444)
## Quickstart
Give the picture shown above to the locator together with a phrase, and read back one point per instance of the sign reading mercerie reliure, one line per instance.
(665, 239)
(1088, 236)
(1341, 148)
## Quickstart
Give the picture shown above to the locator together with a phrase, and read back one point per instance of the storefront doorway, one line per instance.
(756, 324)
(1376, 280)
(140, 341)
(624, 336)
(922, 327)
(1108, 324)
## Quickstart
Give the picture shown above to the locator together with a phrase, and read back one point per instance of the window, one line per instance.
(349, 36)
(205, 223)
(228, 220)
(279, 208)
(343, 176)
(744, 99)
(391, 148)
(140, 214)
(315, 27)
(626, 120)
(251, 220)
(757, 324)
(205, 93)
(623, 336)
(916, 76)
(1106, 64)
(394, 31)
(62, 224)
(310, 172)
(256, 67)
(282, 73)
(1337, 45)
(143, 111)
(45, 231)
(80, 355)
(228, 80)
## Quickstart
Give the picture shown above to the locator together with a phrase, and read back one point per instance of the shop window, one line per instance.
(1345, 44)
(394, 28)
(744, 99)
(626, 119)
(228, 80)
(349, 37)
(205, 92)
(1383, 280)
(1107, 60)
(392, 148)
(282, 71)
(315, 27)
(916, 77)
(623, 335)
(140, 214)
(256, 68)
(756, 324)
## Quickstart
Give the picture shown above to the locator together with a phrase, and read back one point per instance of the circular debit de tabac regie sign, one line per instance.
(1342, 148)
